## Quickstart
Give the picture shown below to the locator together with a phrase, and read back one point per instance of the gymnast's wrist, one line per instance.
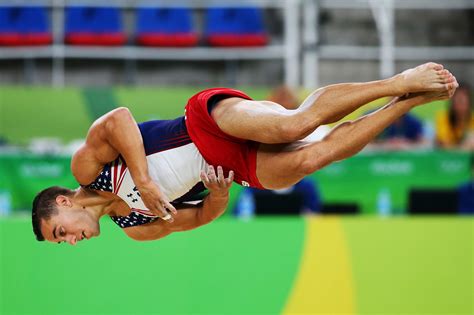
(142, 181)
(219, 194)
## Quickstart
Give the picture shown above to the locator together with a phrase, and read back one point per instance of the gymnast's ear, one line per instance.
(63, 200)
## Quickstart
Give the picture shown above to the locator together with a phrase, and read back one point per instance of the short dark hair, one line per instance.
(44, 206)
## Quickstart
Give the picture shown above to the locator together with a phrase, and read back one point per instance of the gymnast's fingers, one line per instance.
(220, 175)
(170, 207)
(230, 179)
(211, 173)
(164, 213)
(204, 179)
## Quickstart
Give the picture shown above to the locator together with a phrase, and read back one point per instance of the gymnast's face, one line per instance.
(72, 223)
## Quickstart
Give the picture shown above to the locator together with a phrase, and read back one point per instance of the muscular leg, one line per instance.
(280, 166)
(267, 122)
(351, 96)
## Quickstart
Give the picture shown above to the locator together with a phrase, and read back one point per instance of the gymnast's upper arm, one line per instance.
(89, 160)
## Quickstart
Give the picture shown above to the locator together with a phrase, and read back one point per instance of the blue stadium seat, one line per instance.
(24, 26)
(165, 27)
(94, 26)
(235, 27)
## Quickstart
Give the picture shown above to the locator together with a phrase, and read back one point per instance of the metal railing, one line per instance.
(387, 53)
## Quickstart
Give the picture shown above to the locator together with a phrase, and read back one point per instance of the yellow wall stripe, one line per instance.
(324, 284)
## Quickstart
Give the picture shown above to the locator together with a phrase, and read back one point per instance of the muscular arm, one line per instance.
(112, 134)
(191, 217)
(186, 219)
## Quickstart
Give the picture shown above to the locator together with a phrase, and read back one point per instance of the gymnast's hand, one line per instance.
(217, 184)
(156, 201)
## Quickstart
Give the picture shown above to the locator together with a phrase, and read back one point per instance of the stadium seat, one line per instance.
(94, 26)
(24, 26)
(165, 27)
(235, 27)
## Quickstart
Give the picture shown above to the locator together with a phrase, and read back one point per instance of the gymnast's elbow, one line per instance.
(118, 118)
(204, 217)
(140, 236)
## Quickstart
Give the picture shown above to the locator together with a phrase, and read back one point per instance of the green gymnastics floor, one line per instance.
(285, 265)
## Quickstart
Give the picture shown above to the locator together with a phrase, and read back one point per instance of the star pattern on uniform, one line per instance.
(133, 219)
(103, 182)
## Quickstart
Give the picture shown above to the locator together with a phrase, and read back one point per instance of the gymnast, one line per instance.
(150, 177)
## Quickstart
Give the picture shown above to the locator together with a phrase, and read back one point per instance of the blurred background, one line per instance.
(389, 231)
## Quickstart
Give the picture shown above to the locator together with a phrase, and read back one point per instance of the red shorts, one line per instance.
(217, 147)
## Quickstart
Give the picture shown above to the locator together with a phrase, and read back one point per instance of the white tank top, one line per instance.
(175, 171)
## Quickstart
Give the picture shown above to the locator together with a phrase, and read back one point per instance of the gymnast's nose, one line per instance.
(71, 239)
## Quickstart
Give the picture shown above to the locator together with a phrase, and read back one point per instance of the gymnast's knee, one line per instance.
(291, 130)
(311, 163)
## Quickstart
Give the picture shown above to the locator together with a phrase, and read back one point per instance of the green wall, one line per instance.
(27, 112)
(356, 180)
(361, 178)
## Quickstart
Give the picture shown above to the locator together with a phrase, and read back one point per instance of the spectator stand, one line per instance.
(287, 51)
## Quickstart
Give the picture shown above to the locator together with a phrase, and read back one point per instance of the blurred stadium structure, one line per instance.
(299, 43)
(363, 39)
(50, 93)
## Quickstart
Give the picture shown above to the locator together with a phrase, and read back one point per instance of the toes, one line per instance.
(449, 79)
(446, 77)
(456, 81)
(443, 75)
(451, 85)
(438, 86)
(435, 66)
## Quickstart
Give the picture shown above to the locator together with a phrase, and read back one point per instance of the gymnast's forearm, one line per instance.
(124, 136)
(214, 205)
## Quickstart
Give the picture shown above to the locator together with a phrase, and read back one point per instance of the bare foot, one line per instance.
(421, 98)
(427, 77)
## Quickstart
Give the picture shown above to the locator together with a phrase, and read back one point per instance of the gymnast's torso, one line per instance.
(174, 164)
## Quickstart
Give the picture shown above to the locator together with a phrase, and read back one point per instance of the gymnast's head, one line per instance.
(58, 217)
